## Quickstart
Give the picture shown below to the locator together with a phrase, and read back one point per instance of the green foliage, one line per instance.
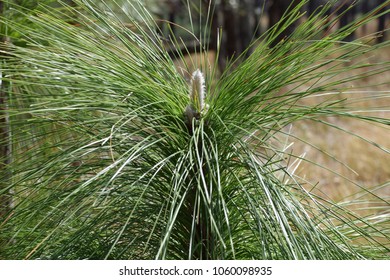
(20, 12)
(105, 166)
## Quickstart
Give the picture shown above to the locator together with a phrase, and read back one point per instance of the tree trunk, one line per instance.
(276, 11)
(346, 11)
(382, 24)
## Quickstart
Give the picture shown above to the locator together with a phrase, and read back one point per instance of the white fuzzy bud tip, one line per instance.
(197, 91)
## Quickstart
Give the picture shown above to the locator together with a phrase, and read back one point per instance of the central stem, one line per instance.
(200, 230)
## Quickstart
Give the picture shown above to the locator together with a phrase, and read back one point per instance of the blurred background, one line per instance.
(242, 21)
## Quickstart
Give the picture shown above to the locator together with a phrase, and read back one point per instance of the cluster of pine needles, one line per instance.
(118, 155)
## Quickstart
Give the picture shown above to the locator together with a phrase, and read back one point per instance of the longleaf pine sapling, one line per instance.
(162, 175)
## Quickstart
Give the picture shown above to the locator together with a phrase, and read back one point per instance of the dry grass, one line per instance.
(350, 162)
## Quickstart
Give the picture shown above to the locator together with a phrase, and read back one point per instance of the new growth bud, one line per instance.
(197, 106)
(198, 91)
